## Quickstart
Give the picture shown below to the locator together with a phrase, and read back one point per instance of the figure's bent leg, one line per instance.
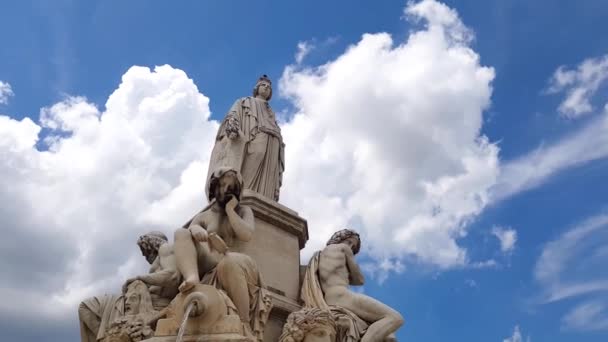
(186, 258)
(383, 319)
(233, 279)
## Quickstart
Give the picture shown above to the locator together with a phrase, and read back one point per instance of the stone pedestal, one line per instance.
(280, 234)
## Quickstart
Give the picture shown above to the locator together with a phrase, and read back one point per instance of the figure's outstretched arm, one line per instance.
(355, 276)
(243, 224)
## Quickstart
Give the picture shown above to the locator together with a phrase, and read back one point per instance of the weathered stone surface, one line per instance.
(309, 325)
(326, 286)
(249, 140)
(279, 235)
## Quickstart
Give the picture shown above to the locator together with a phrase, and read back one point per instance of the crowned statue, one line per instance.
(249, 140)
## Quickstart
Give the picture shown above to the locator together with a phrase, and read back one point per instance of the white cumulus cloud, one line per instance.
(580, 85)
(5, 92)
(304, 49)
(516, 337)
(72, 212)
(386, 139)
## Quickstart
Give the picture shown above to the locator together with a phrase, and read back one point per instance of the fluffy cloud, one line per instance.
(588, 143)
(580, 85)
(516, 337)
(386, 139)
(72, 212)
(5, 92)
(571, 267)
(507, 238)
(584, 145)
(304, 49)
(587, 316)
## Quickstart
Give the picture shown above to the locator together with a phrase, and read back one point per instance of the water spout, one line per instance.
(182, 328)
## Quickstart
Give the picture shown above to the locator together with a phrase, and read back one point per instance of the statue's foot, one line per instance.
(188, 284)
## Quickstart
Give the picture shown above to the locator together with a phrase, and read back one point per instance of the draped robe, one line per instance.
(258, 151)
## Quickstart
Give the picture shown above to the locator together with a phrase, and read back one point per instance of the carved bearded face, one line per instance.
(132, 302)
(352, 242)
(320, 334)
(227, 187)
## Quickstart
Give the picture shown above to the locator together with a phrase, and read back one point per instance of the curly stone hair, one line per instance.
(344, 234)
(299, 323)
(149, 244)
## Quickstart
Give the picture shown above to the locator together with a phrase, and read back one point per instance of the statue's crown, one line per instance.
(264, 78)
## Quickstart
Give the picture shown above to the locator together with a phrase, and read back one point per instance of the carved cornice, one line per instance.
(281, 305)
(276, 214)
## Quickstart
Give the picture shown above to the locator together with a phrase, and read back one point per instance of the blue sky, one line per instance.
(543, 172)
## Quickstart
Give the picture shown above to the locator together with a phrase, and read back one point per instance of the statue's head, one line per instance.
(138, 299)
(149, 244)
(309, 325)
(263, 88)
(347, 237)
(224, 183)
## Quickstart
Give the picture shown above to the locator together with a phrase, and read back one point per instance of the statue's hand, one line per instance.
(343, 323)
(198, 233)
(127, 283)
(217, 243)
(233, 135)
(231, 205)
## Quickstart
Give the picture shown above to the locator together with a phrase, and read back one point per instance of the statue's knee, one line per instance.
(228, 264)
(397, 320)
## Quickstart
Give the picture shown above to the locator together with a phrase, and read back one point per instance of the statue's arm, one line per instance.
(232, 123)
(355, 276)
(155, 265)
(242, 223)
(198, 227)
(161, 278)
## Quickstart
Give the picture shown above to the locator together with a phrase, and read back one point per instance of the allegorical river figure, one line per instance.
(202, 251)
(249, 140)
(326, 286)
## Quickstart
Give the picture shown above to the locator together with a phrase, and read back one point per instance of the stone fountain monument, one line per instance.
(233, 272)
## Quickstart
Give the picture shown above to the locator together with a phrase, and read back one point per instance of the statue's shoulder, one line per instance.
(335, 247)
(165, 249)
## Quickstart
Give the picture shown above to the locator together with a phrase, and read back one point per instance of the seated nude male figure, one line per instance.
(201, 246)
(163, 277)
(97, 313)
(337, 270)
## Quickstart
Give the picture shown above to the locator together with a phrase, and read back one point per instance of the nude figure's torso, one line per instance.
(338, 270)
(213, 222)
(333, 271)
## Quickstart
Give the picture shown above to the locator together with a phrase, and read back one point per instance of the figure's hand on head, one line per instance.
(231, 205)
(198, 233)
(125, 287)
